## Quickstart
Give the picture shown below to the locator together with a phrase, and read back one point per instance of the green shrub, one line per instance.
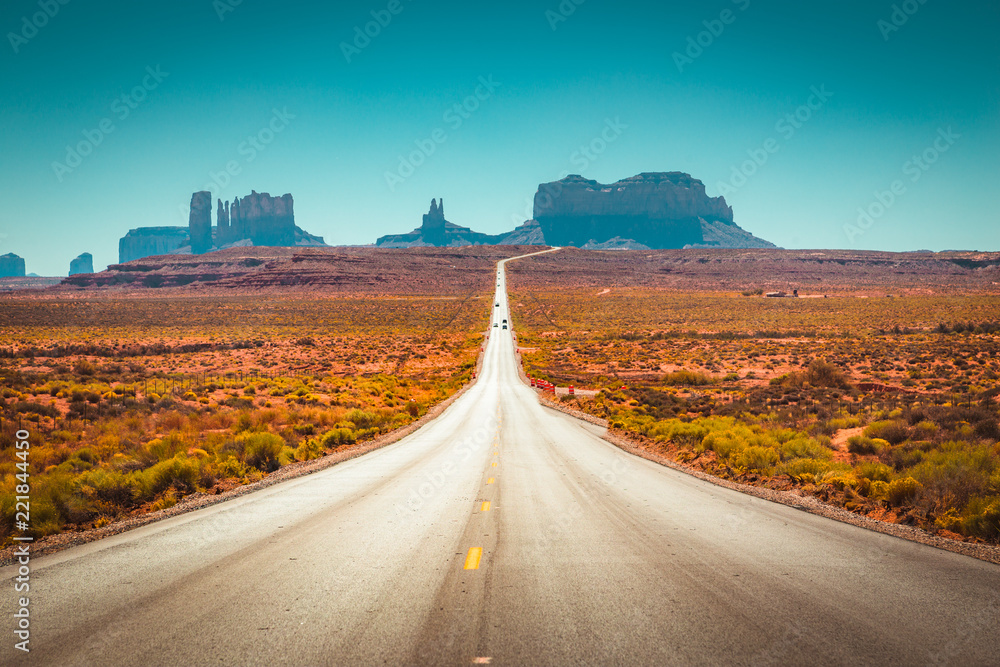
(862, 444)
(878, 490)
(758, 459)
(687, 378)
(180, 473)
(803, 447)
(798, 469)
(261, 450)
(956, 472)
(724, 444)
(309, 449)
(873, 471)
(981, 518)
(361, 418)
(338, 436)
(902, 490)
(231, 467)
(894, 432)
(37, 408)
(110, 487)
(678, 432)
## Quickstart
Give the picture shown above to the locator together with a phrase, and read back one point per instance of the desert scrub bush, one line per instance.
(808, 470)
(926, 429)
(361, 418)
(231, 467)
(180, 473)
(309, 449)
(687, 378)
(956, 472)
(803, 447)
(875, 472)
(338, 436)
(109, 487)
(863, 445)
(894, 432)
(758, 459)
(981, 518)
(261, 451)
(161, 449)
(902, 490)
(841, 423)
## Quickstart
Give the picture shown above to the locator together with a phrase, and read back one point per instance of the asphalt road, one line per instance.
(505, 533)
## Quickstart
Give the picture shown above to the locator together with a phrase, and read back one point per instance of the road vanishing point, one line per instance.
(505, 533)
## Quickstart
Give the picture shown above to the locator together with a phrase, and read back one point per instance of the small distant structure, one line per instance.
(782, 295)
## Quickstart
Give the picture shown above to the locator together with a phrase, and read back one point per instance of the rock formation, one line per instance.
(256, 220)
(11, 266)
(653, 210)
(82, 264)
(438, 232)
(200, 222)
(259, 217)
(148, 241)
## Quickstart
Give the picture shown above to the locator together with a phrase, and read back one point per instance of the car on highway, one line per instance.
(505, 325)
(495, 324)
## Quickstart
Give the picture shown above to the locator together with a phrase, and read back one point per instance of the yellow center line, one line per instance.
(494, 464)
(486, 506)
(472, 560)
(491, 480)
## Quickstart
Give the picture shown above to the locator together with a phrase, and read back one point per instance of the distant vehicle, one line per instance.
(505, 326)
(495, 324)
(505, 321)
(497, 304)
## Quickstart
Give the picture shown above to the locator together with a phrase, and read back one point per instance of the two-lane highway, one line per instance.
(505, 533)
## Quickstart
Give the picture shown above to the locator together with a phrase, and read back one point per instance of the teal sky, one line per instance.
(558, 82)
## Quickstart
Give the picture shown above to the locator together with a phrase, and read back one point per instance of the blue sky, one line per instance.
(269, 90)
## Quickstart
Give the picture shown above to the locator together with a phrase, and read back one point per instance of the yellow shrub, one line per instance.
(901, 490)
(758, 459)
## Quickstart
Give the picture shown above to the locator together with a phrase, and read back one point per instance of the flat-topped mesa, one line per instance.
(662, 195)
(82, 264)
(147, 241)
(11, 266)
(656, 210)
